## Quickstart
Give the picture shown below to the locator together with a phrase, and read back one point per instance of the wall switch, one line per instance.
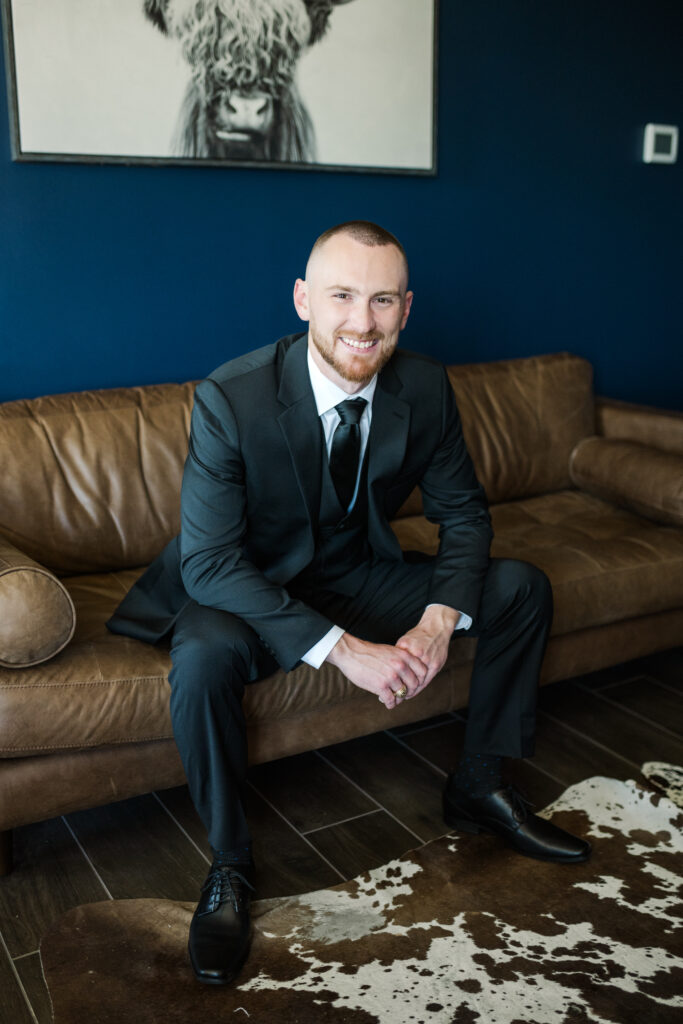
(660, 145)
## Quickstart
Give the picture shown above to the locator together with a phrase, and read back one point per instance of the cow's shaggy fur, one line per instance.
(245, 48)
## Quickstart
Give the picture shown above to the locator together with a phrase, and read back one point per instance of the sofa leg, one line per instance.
(6, 861)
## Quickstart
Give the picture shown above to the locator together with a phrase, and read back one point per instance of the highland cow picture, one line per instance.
(317, 84)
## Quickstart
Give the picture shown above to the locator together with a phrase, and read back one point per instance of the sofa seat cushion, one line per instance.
(101, 689)
(605, 564)
(104, 689)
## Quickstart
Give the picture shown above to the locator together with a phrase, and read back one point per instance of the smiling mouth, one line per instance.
(233, 136)
(359, 346)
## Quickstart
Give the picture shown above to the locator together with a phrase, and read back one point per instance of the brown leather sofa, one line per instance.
(590, 491)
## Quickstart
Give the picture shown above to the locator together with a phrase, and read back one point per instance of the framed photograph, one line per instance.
(305, 84)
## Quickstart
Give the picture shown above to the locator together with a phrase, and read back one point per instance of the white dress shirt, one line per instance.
(327, 395)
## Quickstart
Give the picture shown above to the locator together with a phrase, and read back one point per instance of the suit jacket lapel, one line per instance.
(300, 425)
(389, 428)
(386, 451)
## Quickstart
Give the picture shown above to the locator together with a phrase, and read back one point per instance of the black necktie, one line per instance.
(345, 449)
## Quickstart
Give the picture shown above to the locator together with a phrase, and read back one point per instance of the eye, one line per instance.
(341, 295)
(384, 300)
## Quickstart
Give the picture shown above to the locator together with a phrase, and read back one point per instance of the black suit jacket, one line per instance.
(251, 496)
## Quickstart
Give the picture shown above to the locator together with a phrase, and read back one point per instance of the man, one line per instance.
(300, 454)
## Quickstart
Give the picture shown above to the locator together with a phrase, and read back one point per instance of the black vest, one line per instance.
(342, 552)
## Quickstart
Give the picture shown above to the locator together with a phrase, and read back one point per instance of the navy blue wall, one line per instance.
(542, 231)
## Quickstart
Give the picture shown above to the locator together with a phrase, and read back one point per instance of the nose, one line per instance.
(363, 318)
(248, 112)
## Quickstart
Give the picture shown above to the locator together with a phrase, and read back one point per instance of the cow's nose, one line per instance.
(249, 112)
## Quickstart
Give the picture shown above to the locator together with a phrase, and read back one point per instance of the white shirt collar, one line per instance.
(327, 394)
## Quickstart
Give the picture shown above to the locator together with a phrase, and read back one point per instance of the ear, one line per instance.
(319, 15)
(156, 12)
(406, 308)
(301, 299)
(319, 12)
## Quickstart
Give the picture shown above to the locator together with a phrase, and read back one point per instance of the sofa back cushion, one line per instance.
(91, 480)
(521, 419)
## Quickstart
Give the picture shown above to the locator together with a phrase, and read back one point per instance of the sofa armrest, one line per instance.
(626, 421)
(646, 480)
(37, 615)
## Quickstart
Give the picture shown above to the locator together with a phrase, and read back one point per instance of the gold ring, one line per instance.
(402, 692)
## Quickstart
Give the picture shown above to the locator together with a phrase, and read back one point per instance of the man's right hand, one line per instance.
(379, 668)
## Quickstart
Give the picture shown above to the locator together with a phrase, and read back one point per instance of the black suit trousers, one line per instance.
(215, 655)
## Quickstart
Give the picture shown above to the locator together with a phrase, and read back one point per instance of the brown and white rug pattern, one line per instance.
(456, 932)
(667, 778)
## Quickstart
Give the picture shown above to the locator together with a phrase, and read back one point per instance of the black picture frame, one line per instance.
(102, 84)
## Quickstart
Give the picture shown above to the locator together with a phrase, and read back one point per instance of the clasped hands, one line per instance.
(411, 663)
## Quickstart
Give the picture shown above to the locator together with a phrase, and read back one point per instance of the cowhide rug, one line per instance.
(459, 931)
(668, 778)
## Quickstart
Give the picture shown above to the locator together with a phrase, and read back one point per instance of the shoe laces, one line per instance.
(521, 805)
(224, 885)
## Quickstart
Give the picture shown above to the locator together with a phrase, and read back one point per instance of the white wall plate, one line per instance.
(660, 145)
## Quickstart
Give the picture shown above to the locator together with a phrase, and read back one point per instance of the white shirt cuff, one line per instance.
(317, 654)
(464, 622)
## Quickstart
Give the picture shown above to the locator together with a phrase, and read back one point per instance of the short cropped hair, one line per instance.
(363, 231)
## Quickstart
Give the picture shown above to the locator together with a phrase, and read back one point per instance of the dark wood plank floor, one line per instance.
(322, 817)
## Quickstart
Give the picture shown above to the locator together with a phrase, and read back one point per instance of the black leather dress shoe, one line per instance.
(507, 814)
(220, 931)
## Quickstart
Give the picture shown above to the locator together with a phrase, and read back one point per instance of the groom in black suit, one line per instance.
(300, 454)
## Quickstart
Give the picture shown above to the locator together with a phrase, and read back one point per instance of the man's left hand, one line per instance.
(429, 639)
